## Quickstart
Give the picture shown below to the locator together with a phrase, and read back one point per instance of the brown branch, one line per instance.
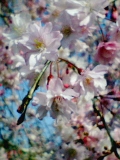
(113, 143)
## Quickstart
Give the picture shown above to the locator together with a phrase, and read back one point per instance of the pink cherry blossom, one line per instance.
(69, 27)
(57, 100)
(93, 81)
(42, 41)
(107, 52)
(17, 28)
(83, 100)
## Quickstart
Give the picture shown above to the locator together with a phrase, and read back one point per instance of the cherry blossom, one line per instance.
(93, 81)
(90, 10)
(69, 27)
(107, 52)
(57, 100)
(18, 27)
(56, 46)
(42, 41)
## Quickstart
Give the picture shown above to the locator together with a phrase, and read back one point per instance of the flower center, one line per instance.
(71, 153)
(18, 30)
(55, 13)
(88, 80)
(66, 31)
(39, 44)
(55, 107)
(56, 104)
(89, 6)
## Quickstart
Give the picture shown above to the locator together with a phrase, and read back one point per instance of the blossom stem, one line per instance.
(57, 69)
(29, 96)
(51, 68)
(78, 69)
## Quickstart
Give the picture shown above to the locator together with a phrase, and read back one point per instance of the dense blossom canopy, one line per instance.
(69, 53)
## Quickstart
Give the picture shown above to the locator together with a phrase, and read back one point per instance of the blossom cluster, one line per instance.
(72, 49)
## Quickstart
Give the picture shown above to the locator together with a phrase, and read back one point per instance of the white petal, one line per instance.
(56, 85)
(85, 21)
(101, 83)
(102, 69)
(40, 98)
(69, 93)
(48, 28)
(41, 112)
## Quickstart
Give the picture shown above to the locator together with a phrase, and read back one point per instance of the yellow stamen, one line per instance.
(88, 81)
(38, 44)
(55, 13)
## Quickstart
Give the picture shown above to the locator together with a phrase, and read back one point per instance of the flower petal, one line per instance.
(41, 112)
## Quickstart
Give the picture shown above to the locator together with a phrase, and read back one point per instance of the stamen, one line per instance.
(66, 31)
(72, 153)
(18, 30)
(39, 44)
(55, 13)
(88, 80)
